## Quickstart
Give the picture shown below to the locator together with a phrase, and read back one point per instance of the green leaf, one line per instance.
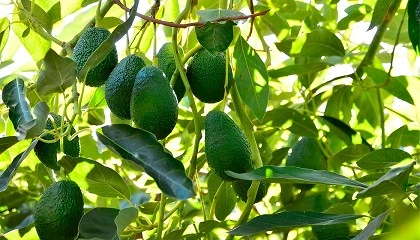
(10, 171)
(371, 228)
(382, 10)
(95, 178)
(394, 181)
(99, 223)
(125, 217)
(413, 9)
(355, 13)
(321, 42)
(14, 97)
(4, 33)
(215, 37)
(38, 14)
(226, 202)
(290, 219)
(34, 127)
(142, 148)
(382, 158)
(273, 174)
(340, 104)
(396, 86)
(292, 120)
(106, 46)
(297, 69)
(109, 22)
(57, 74)
(272, 23)
(209, 15)
(251, 78)
(403, 137)
(349, 154)
(7, 142)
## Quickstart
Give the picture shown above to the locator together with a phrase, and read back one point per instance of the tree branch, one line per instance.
(193, 24)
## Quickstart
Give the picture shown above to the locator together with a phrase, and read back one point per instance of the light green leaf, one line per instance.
(125, 217)
(251, 78)
(4, 33)
(349, 154)
(382, 158)
(297, 69)
(340, 103)
(403, 137)
(7, 142)
(273, 174)
(95, 177)
(290, 219)
(321, 42)
(382, 10)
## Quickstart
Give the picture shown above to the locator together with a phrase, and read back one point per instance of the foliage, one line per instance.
(342, 73)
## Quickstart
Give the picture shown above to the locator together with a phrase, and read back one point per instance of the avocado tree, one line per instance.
(200, 119)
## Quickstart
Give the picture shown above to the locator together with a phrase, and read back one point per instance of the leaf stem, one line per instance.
(382, 116)
(161, 216)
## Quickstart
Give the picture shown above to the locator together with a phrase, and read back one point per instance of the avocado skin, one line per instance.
(206, 75)
(120, 85)
(306, 153)
(58, 212)
(241, 188)
(153, 104)
(88, 42)
(47, 152)
(166, 62)
(225, 145)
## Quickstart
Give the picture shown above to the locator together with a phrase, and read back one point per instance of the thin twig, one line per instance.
(193, 24)
(251, 8)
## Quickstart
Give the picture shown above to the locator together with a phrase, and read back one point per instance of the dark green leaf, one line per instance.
(403, 137)
(34, 127)
(297, 69)
(106, 46)
(382, 158)
(226, 201)
(13, 96)
(292, 120)
(215, 37)
(349, 154)
(99, 223)
(7, 142)
(207, 226)
(251, 78)
(292, 219)
(209, 15)
(382, 10)
(288, 174)
(125, 217)
(321, 42)
(340, 103)
(413, 9)
(95, 178)
(4, 33)
(371, 228)
(57, 74)
(175, 235)
(142, 148)
(12, 168)
(394, 181)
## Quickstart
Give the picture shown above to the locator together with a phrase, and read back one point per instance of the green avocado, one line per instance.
(307, 153)
(225, 145)
(88, 42)
(47, 152)
(153, 104)
(120, 85)
(241, 189)
(58, 212)
(166, 62)
(206, 74)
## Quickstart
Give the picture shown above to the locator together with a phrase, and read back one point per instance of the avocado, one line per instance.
(153, 104)
(166, 62)
(226, 146)
(206, 74)
(58, 212)
(47, 152)
(120, 85)
(88, 42)
(307, 153)
(241, 188)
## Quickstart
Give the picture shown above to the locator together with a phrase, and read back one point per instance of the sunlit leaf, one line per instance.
(403, 137)
(382, 158)
(394, 181)
(215, 37)
(7, 142)
(251, 78)
(291, 219)
(322, 42)
(95, 177)
(209, 15)
(382, 10)
(142, 148)
(4, 33)
(57, 74)
(355, 13)
(289, 174)
(297, 69)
